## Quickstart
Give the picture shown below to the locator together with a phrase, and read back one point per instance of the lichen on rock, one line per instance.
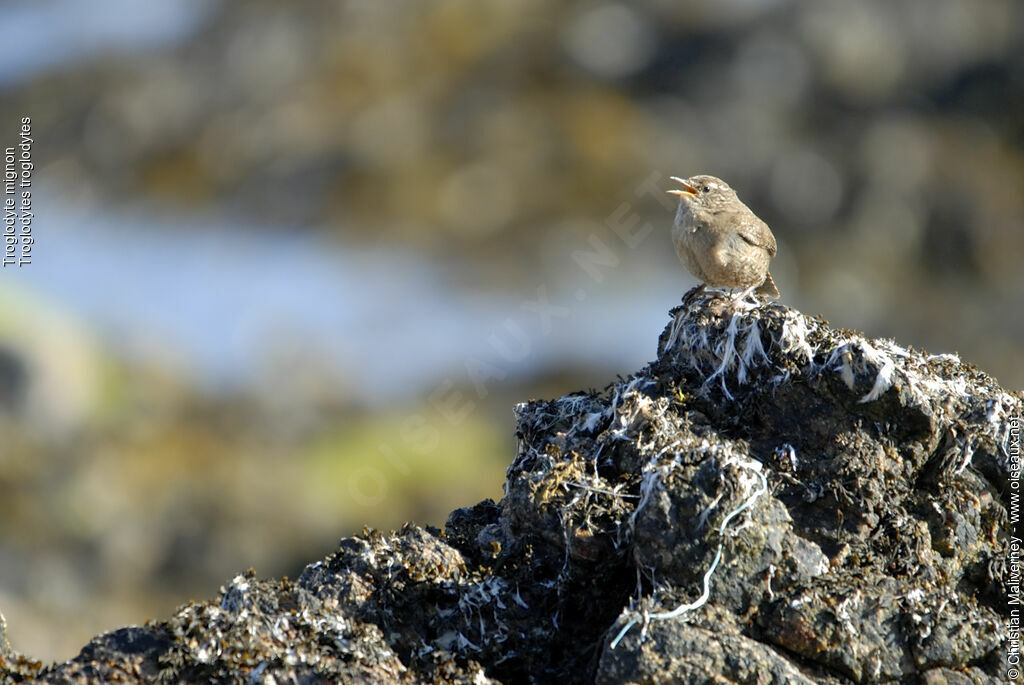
(770, 500)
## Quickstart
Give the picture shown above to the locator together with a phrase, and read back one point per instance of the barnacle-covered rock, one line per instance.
(770, 500)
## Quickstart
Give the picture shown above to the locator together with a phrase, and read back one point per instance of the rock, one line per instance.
(771, 500)
(5, 647)
(13, 665)
(675, 651)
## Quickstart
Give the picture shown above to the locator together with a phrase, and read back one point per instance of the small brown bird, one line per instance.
(719, 239)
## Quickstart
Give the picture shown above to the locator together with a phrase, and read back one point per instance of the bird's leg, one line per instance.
(744, 294)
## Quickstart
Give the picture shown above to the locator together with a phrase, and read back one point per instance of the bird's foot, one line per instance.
(742, 295)
(745, 299)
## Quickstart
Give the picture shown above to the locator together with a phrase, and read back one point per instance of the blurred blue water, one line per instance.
(40, 35)
(226, 302)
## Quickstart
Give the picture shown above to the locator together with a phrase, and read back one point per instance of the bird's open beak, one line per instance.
(686, 190)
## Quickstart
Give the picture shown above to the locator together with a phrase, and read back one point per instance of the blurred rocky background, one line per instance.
(295, 262)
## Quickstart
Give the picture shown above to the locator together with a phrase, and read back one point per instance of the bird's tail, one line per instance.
(768, 287)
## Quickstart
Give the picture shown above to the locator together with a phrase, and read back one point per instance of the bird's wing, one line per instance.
(756, 232)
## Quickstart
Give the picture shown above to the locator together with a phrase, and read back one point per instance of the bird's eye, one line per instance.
(706, 189)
